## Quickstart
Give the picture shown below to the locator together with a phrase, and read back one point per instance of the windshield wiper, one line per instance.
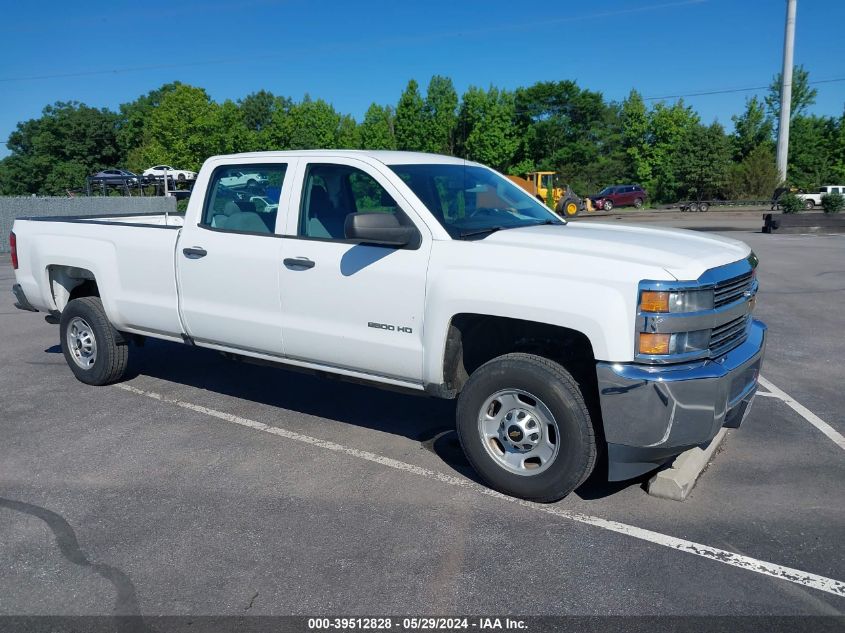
(492, 229)
(484, 231)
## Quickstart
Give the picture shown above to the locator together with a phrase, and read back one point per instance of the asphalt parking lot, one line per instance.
(202, 486)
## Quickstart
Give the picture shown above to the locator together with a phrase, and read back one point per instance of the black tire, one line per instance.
(568, 207)
(251, 183)
(693, 207)
(608, 205)
(703, 207)
(181, 177)
(111, 354)
(557, 390)
(638, 203)
(809, 204)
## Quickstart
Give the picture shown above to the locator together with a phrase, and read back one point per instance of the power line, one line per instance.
(731, 90)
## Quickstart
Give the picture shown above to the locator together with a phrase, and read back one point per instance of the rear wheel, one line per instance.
(638, 203)
(693, 207)
(90, 344)
(703, 207)
(809, 204)
(525, 428)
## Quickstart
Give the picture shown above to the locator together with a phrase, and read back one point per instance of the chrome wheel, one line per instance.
(81, 343)
(519, 432)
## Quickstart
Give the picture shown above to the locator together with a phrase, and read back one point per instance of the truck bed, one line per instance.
(130, 256)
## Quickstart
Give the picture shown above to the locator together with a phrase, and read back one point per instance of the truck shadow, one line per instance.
(425, 420)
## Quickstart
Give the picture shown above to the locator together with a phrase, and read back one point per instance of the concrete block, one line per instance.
(678, 480)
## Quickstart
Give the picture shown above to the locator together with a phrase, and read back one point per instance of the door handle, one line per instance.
(299, 263)
(194, 252)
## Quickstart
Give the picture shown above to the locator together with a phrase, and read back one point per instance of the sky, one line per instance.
(354, 53)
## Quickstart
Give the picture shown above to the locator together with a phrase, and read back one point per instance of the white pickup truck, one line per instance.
(814, 199)
(561, 341)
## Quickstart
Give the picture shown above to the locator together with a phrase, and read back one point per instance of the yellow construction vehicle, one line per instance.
(538, 184)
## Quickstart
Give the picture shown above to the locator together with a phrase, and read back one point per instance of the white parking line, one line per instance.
(804, 412)
(814, 581)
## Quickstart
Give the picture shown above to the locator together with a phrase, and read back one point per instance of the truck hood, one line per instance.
(683, 254)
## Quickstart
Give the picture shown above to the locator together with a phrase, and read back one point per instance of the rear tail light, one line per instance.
(13, 246)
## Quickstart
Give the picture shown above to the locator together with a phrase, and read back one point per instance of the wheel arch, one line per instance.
(70, 282)
(473, 339)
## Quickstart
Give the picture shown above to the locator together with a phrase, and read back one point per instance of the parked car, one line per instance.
(815, 199)
(158, 172)
(236, 177)
(115, 177)
(619, 196)
(429, 274)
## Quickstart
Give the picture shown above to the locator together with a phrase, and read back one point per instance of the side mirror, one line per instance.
(382, 229)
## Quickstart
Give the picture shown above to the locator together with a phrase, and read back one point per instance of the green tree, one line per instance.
(837, 168)
(669, 127)
(231, 134)
(752, 128)
(635, 138)
(376, 130)
(571, 131)
(703, 162)
(348, 135)
(440, 112)
(812, 140)
(183, 130)
(803, 96)
(312, 125)
(55, 152)
(257, 110)
(756, 177)
(134, 116)
(410, 125)
(488, 134)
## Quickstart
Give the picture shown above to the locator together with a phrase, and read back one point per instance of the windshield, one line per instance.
(606, 191)
(467, 199)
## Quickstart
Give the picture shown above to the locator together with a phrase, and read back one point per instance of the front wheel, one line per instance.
(809, 204)
(568, 208)
(608, 205)
(90, 343)
(525, 428)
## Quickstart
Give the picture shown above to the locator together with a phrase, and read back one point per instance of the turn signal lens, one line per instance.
(653, 301)
(654, 343)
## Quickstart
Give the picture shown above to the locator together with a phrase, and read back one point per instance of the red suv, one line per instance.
(619, 196)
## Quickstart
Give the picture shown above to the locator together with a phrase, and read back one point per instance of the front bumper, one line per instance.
(652, 413)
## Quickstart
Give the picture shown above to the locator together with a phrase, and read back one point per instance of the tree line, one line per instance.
(555, 125)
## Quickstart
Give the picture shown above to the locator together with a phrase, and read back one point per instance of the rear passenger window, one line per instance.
(332, 192)
(244, 198)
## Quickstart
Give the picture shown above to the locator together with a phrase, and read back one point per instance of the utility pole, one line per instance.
(786, 88)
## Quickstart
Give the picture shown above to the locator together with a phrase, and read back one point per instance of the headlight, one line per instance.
(673, 324)
(676, 301)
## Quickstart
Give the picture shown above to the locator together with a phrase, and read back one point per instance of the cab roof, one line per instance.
(388, 157)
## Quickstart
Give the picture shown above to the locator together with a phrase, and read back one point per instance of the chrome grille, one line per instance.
(732, 290)
(728, 335)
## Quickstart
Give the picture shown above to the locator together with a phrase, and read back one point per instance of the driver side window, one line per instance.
(332, 192)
